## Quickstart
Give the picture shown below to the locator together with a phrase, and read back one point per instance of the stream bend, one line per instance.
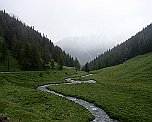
(99, 114)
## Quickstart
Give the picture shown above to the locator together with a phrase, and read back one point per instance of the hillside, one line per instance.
(123, 91)
(141, 43)
(31, 49)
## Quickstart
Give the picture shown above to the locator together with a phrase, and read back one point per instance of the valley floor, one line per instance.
(21, 101)
(123, 91)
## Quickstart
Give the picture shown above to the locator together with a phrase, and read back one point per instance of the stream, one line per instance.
(99, 114)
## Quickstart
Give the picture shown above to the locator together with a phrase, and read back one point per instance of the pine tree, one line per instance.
(3, 50)
(77, 64)
(30, 58)
(86, 67)
(52, 64)
(60, 62)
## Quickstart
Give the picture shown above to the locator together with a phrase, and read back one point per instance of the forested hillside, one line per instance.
(29, 47)
(141, 43)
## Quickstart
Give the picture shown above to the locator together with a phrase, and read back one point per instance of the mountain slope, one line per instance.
(141, 43)
(28, 46)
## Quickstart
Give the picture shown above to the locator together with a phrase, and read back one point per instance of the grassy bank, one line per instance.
(20, 101)
(123, 91)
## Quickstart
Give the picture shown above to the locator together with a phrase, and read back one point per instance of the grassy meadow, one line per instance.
(22, 102)
(123, 91)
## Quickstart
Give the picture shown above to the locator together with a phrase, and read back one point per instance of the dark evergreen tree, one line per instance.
(30, 58)
(77, 64)
(52, 62)
(86, 67)
(3, 50)
(60, 62)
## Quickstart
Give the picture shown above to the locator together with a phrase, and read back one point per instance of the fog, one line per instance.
(58, 19)
(86, 48)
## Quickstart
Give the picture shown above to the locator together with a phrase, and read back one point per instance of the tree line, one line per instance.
(33, 50)
(141, 43)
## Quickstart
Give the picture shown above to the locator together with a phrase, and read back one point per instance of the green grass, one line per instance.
(79, 78)
(21, 102)
(123, 91)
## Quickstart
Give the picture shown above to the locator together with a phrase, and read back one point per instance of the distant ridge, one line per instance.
(85, 48)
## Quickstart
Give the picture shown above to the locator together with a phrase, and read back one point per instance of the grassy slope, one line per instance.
(124, 92)
(20, 101)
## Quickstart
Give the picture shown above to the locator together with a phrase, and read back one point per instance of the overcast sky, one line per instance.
(117, 19)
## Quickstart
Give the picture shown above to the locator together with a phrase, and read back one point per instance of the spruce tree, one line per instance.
(60, 62)
(86, 67)
(52, 62)
(77, 64)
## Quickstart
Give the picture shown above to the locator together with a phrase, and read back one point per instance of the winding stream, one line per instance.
(98, 113)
